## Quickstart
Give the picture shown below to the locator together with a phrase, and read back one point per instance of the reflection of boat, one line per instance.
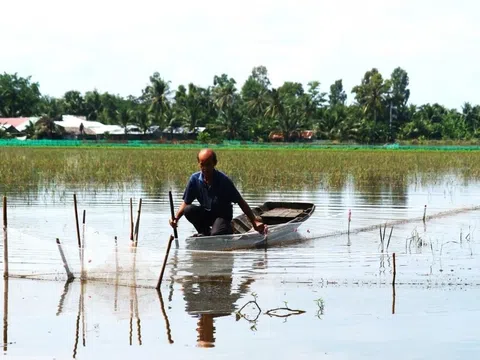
(282, 220)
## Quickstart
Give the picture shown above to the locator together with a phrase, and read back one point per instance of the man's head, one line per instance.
(207, 160)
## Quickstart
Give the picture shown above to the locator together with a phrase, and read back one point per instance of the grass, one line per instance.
(26, 169)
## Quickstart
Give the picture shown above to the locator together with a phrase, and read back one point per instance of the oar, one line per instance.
(175, 234)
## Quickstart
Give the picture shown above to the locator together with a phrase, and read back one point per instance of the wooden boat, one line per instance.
(282, 220)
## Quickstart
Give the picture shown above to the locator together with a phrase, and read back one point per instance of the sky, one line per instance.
(115, 46)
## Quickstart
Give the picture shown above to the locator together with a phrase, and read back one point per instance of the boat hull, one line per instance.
(278, 233)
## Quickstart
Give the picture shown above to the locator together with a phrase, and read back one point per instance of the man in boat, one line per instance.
(215, 192)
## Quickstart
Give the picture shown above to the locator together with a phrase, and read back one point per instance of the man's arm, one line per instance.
(181, 209)
(257, 224)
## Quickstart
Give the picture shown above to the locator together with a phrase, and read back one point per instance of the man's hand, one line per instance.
(173, 222)
(259, 226)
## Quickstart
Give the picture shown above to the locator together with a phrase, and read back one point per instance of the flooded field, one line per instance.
(330, 296)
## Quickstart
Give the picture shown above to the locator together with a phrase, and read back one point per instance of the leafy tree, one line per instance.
(74, 103)
(337, 95)
(93, 105)
(18, 96)
(51, 107)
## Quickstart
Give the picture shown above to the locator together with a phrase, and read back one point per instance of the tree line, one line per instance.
(380, 112)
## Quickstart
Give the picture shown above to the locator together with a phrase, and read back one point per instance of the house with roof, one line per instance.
(18, 125)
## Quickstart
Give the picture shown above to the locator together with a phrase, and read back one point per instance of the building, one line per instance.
(17, 125)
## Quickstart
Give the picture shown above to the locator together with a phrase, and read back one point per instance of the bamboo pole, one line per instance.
(84, 325)
(5, 314)
(5, 239)
(64, 260)
(349, 220)
(393, 284)
(131, 219)
(76, 222)
(164, 262)
(83, 272)
(5, 254)
(389, 237)
(4, 212)
(394, 269)
(137, 225)
(115, 300)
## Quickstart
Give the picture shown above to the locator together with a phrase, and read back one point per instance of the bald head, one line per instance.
(207, 154)
(207, 160)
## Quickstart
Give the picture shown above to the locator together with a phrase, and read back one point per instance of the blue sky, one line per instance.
(116, 46)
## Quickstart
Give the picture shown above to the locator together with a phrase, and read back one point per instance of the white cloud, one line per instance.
(116, 46)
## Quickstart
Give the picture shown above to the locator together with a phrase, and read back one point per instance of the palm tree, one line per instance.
(124, 119)
(157, 93)
(372, 92)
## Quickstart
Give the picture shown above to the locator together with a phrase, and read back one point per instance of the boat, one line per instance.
(282, 220)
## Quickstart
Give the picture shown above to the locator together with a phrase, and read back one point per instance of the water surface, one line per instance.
(340, 282)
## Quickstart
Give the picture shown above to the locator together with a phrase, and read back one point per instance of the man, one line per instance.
(215, 192)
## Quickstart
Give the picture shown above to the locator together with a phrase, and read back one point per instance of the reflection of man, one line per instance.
(206, 330)
(209, 293)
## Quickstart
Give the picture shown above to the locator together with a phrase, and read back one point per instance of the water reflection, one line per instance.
(209, 291)
(61, 302)
(165, 316)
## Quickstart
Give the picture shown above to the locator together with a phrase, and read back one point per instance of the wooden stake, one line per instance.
(76, 221)
(394, 270)
(393, 298)
(5, 254)
(115, 301)
(131, 219)
(83, 272)
(389, 237)
(84, 325)
(393, 284)
(64, 260)
(5, 315)
(137, 225)
(5, 239)
(164, 262)
(349, 219)
(4, 212)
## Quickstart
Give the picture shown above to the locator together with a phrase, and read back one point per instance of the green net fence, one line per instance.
(230, 144)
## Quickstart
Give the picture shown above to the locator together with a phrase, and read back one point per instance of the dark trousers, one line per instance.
(203, 220)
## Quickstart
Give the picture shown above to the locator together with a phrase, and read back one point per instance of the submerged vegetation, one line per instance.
(261, 170)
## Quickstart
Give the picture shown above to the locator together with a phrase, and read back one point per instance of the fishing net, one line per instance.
(323, 255)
